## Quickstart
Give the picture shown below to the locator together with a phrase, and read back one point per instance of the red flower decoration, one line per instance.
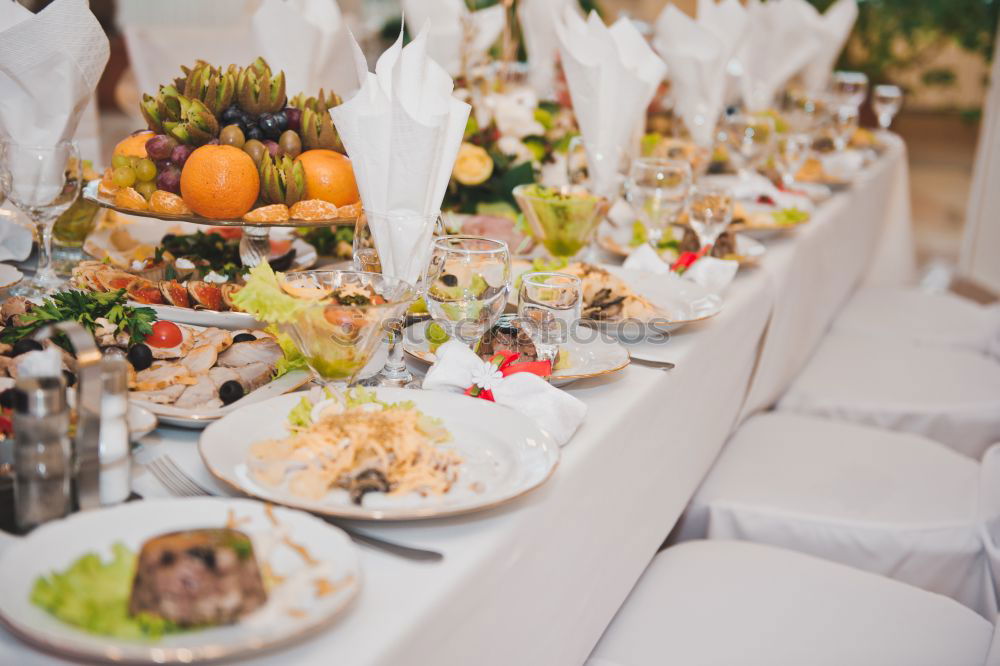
(504, 361)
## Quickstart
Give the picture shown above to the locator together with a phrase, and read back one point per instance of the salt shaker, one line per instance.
(43, 468)
(115, 453)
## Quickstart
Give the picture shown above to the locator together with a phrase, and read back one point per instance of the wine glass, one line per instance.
(562, 220)
(886, 102)
(710, 212)
(600, 171)
(751, 137)
(467, 285)
(43, 182)
(549, 304)
(406, 262)
(844, 123)
(793, 151)
(657, 190)
(850, 88)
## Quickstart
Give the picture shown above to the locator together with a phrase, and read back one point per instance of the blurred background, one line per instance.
(939, 51)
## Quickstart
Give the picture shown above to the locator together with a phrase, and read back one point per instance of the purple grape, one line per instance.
(294, 118)
(163, 164)
(180, 154)
(273, 148)
(160, 147)
(169, 179)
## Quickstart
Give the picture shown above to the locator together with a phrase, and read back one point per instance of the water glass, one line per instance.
(793, 151)
(844, 123)
(549, 306)
(657, 190)
(467, 285)
(42, 182)
(751, 138)
(710, 212)
(886, 102)
(850, 88)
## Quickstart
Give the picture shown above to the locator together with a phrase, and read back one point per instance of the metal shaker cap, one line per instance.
(40, 396)
(114, 374)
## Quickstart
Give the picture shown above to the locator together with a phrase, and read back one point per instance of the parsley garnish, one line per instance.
(85, 308)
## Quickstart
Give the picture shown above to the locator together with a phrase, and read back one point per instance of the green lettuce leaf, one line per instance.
(263, 297)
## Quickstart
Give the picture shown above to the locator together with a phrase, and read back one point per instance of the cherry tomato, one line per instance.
(165, 334)
(280, 246)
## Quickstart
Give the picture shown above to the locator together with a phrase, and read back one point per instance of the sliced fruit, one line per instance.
(127, 197)
(162, 201)
(175, 293)
(211, 86)
(208, 296)
(349, 211)
(257, 91)
(312, 210)
(272, 213)
(282, 181)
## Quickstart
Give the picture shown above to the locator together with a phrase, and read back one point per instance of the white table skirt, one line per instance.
(537, 581)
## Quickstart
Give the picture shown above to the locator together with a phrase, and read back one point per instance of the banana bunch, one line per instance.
(257, 91)
(213, 87)
(316, 127)
(189, 121)
(281, 182)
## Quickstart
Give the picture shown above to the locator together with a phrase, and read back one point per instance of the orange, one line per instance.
(220, 182)
(167, 202)
(134, 145)
(329, 176)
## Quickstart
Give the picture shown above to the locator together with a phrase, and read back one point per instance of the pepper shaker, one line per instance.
(115, 452)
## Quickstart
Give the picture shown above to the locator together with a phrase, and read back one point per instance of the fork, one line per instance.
(179, 484)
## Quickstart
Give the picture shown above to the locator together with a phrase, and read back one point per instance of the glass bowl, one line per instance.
(564, 222)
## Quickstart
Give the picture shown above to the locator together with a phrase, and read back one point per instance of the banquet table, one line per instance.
(537, 581)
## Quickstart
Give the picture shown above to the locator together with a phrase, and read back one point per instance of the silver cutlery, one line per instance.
(661, 365)
(180, 484)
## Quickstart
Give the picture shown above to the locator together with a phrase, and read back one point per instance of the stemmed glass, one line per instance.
(43, 182)
(886, 102)
(844, 123)
(467, 285)
(751, 137)
(850, 88)
(549, 305)
(710, 212)
(657, 190)
(793, 151)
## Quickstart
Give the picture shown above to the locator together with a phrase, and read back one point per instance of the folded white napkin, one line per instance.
(708, 272)
(844, 165)
(449, 20)
(612, 75)
(402, 130)
(50, 64)
(728, 20)
(832, 30)
(15, 238)
(780, 40)
(307, 39)
(457, 368)
(697, 60)
(754, 186)
(538, 20)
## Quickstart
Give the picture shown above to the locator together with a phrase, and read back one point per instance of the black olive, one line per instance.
(26, 345)
(244, 337)
(449, 280)
(140, 356)
(230, 392)
(7, 399)
(70, 378)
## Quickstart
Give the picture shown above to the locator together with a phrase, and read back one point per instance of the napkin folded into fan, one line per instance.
(780, 40)
(50, 64)
(612, 75)
(402, 130)
(458, 368)
(538, 20)
(457, 34)
(709, 272)
(307, 39)
(831, 32)
(697, 58)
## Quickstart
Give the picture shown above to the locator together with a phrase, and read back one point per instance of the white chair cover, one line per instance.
(889, 503)
(718, 603)
(950, 396)
(921, 317)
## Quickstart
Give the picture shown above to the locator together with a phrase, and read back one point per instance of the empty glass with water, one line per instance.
(843, 123)
(657, 190)
(549, 306)
(751, 138)
(850, 88)
(793, 151)
(886, 102)
(710, 212)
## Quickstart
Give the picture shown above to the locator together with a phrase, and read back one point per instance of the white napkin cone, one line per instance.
(15, 238)
(538, 20)
(709, 272)
(447, 20)
(402, 131)
(50, 64)
(780, 40)
(833, 29)
(555, 411)
(728, 21)
(612, 75)
(697, 60)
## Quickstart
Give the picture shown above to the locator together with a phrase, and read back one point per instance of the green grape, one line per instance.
(145, 170)
(120, 161)
(146, 188)
(123, 176)
(134, 161)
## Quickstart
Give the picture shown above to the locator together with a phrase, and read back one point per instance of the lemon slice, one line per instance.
(305, 289)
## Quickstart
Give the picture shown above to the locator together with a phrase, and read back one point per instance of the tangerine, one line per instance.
(134, 145)
(162, 201)
(128, 197)
(312, 210)
(220, 182)
(329, 176)
(272, 213)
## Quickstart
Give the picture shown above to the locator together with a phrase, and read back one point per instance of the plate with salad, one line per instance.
(177, 581)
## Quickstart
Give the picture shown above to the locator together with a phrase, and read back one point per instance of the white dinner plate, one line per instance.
(591, 354)
(140, 421)
(294, 608)
(197, 419)
(681, 302)
(505, 455)
(616, 240)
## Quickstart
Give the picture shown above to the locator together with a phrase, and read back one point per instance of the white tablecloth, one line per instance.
(537, 581)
